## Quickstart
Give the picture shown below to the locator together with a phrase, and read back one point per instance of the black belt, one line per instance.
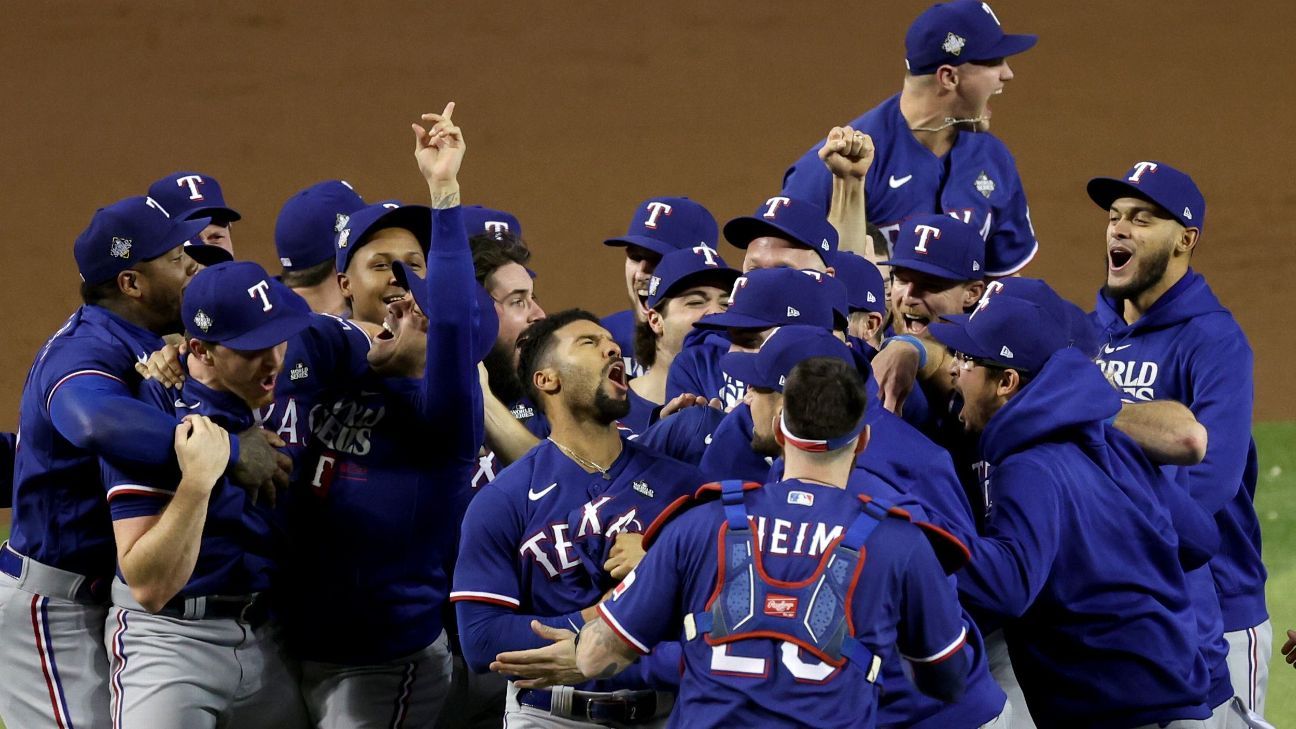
(622, 707)
(254, 610)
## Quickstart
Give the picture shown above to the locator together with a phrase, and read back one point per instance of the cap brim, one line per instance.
(740, 232)
(412, 283)
(228, 215)
(272, 333)
(730, 320)
(926, 267)
(180, 234)
(661, 248)
(1010, 45)
(722, 277)
(742, 367)
(954, 335)
(208, 255)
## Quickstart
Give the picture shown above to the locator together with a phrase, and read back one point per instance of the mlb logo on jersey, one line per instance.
(800, 498)
(625, 585)
(781, 606)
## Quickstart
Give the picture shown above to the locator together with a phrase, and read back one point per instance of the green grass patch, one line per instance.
(1276, 506)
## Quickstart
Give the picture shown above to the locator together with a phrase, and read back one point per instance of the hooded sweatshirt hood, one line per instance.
(1068, 400)
(1189, 298)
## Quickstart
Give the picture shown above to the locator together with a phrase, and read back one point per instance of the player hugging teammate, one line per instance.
(872, 477)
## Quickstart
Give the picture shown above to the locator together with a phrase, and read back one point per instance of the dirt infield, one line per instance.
(576, 111)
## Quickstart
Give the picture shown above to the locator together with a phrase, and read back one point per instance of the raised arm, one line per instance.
(848, 154)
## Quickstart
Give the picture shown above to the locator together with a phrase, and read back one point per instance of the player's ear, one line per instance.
(972, 293)
(344, 283)
(199, 349)
(128, 282)
(947, 77)
(655, 323)
(1188, 241)
(545, 380)
(874, 325)
(1010, 382)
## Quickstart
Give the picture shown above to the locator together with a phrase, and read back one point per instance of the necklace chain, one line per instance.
(949, 122)
(583, 462)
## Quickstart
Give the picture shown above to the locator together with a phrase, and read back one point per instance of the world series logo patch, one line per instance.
(984, 184)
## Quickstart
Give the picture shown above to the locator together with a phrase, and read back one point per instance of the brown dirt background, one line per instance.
(576, 111)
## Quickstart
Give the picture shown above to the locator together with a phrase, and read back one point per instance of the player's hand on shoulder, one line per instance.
(627, 551)
(261, 468)
(847, 153)
(688, 400)
(164, 365)
(439, 149)
(202, 449)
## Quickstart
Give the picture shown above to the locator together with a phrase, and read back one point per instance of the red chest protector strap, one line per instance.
(814, 613)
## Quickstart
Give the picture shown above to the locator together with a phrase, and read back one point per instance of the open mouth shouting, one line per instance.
(1118, 257)
(913, 324)
(616, 374)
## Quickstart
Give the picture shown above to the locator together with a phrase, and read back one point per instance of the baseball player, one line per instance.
(502, 226)
(1085, 545)
(1166, 336)
(305, 231)
(660, 225)
(904, 469)
(79, 404)
(513, 424)
(188, 637)
(686, 285)
(800, 547)
(867, 299)
(192, 196)
(934, 152)
(557, 529)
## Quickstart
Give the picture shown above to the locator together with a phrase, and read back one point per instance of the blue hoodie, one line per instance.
(1082, 551)
(1188, 347)
(696, 369)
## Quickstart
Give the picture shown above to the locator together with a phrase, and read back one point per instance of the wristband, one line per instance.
(915, 343)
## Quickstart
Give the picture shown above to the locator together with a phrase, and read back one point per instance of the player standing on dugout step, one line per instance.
(1166, 336)
(934, 150)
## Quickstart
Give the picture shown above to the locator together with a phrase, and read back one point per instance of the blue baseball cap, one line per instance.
(1080, 331)
(480, 220)
(1006, 331)
(125, 233)
(782, 351)
(959, 32)
(665, 224)
(771, 297)
(939, 245)
(799, 221)
(189, 195)
(240, 306)
(309, 222)
(1156, 182)
(865, 289)
(689, 266)
(488, 326)
(417, 219)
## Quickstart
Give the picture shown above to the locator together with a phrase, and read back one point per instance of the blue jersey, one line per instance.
(641, 412)
(536, 539)
(237, 552)
(526, 413)
(384, 482)
(60, 517)
(696, 370)
(1189, 348)
(976, 182)
(621, 325)
(729, 453)
(1082, 556)
(684, 435)
(903, 603)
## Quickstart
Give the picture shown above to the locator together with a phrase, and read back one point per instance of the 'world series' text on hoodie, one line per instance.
(1188, 347)
(1082, 552)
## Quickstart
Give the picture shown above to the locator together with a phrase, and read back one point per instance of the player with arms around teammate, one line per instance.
(189, 639)
(78, 405)
(1166, 336)
(558, 528)
(769, 650)
(1085, 545)
(934, 152)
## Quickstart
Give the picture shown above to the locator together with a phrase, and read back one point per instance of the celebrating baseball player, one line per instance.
(934, 151)
(78, 405)
(304, 238)
(1166, 336)
(788, 596)
(660, 225)
(195, 196)
(556, 530)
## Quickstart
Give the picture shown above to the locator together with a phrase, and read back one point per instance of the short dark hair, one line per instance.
(92, 294)
(309, 276)
(824, 398)
(490, 252)
(881, 244)
(535, 342)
